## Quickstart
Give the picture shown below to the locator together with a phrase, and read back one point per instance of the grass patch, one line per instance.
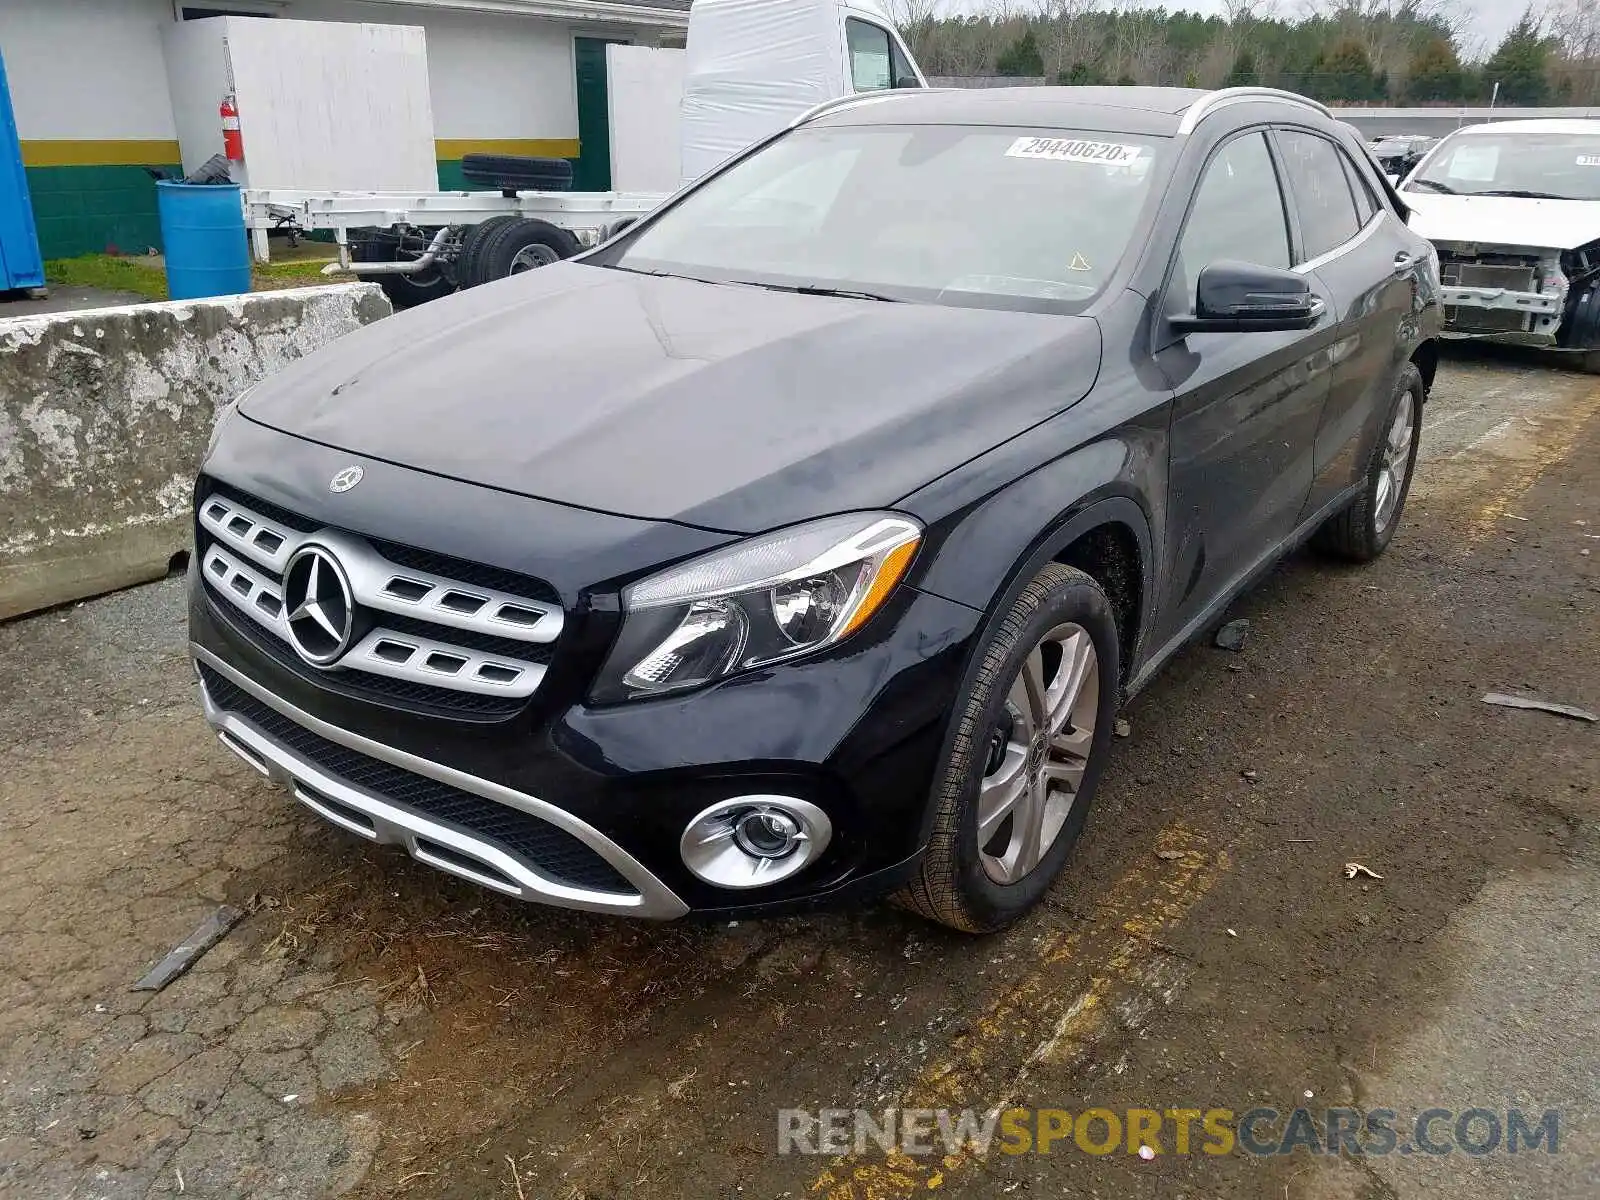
(267, 277)
(109, 273)
(147, 277)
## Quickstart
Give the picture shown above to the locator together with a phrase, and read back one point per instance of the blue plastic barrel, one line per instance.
(203, 235)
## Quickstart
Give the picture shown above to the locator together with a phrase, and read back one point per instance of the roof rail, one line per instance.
(1204, 106)
(850, 101)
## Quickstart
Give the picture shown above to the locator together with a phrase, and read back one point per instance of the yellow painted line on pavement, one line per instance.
(1038, 1019)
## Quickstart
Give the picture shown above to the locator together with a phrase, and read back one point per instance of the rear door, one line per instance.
(1245, 405)
(1367, 262)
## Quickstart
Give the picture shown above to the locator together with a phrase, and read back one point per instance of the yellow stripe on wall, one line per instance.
(449, 149)
(76, 152)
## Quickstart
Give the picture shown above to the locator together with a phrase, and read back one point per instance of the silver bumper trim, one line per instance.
(446, 847)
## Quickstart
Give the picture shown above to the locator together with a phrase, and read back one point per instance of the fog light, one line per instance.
(767, 833)
(751, 841)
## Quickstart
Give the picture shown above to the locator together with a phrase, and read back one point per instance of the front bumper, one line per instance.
(450, 846)
(856, 730)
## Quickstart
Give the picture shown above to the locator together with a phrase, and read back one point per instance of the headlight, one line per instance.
(762, 601)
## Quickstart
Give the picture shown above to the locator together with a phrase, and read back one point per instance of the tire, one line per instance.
(469, 258)
(404, 291)
(522, 245)
(957, 883)
(515, 173)
(1363, 529)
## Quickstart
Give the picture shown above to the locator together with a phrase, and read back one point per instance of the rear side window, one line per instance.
(1237, 213)
(1321, 191)
(1366, 203)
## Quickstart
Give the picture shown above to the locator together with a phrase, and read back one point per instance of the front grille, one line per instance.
(427, 632)
(551, 851)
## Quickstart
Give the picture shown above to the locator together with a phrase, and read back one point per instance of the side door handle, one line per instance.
(1404, 261)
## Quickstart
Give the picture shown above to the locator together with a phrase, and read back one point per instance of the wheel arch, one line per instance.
(1107, 535)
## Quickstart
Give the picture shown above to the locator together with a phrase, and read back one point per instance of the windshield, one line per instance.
(1564, 166)
(961, 215)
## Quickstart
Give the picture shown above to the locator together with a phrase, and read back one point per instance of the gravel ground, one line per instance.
(375, 1029)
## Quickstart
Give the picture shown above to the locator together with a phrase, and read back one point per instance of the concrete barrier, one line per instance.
(104, 416)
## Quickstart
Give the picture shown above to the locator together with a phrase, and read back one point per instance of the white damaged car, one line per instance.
(1513, 209)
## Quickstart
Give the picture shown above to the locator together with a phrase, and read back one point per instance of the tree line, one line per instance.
(1348, 51)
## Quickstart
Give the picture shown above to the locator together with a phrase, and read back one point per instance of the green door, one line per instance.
(592, 171)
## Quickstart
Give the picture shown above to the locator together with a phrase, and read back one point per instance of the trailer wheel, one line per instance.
(385, 245)
(524, 245)
(469, 259)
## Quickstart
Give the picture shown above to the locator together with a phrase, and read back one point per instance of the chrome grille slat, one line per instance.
(475, 674)
(223, 572)
(224, 518)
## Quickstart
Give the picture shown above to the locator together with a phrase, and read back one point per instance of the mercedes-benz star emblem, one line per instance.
(345, 479)
(321, 614)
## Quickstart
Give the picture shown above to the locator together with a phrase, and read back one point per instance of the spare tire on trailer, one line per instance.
(514, 173)
(385, 245)
(523, 245)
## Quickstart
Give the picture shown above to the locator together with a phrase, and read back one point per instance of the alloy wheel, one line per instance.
(1038, 754)
(1395, 463)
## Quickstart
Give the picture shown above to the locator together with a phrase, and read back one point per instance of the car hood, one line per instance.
(723, 406)
(1504, 220)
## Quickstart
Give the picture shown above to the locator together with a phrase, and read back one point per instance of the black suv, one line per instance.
(800, 543)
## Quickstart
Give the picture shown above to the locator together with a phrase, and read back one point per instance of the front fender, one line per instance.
(986, 551)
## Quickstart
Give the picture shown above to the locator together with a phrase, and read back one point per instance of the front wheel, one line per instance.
(1031, 738)
(1363, 529)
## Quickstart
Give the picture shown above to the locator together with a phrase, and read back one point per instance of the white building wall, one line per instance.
(87, 69)
(492, 76)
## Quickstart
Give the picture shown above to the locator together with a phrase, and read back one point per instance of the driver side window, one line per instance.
(1237, 214)
(872, 57)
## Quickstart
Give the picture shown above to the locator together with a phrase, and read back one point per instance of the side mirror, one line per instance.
(907, 81)
(1240, 297)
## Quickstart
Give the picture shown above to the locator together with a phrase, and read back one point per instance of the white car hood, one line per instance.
(1504, 220)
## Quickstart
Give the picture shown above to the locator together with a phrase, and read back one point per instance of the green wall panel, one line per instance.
(92, 210)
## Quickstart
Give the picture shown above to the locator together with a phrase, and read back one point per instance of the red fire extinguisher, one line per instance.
(232, 138)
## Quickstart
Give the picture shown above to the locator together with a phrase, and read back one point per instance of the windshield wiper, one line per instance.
(811, 289)
(1520, 194)
(1433, 185)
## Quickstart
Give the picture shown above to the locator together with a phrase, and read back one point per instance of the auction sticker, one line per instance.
(1110, 154)
(1589, 160)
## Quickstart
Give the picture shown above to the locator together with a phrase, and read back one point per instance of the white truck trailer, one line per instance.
(753, 67)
